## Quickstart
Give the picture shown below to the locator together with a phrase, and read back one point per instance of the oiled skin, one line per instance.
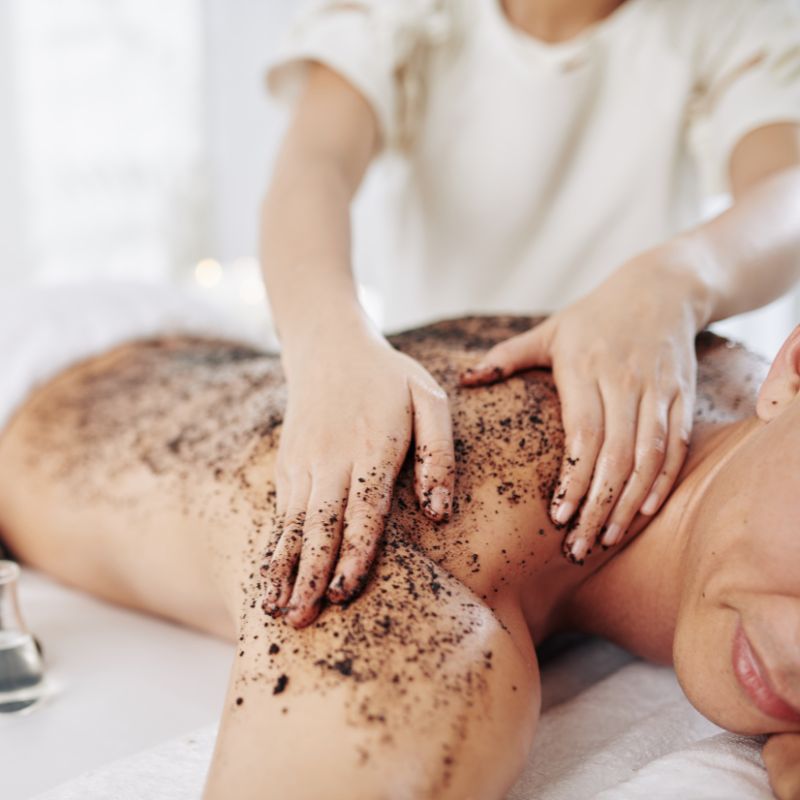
(146, 476)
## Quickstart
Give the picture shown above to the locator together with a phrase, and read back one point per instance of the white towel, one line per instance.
(44, 330)
(631, 735)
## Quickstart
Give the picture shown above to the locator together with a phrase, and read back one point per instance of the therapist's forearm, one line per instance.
(305, 231)
(306, 254)
(747, 256)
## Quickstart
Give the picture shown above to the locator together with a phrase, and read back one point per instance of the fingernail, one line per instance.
(612, 535)
(579, 549)
(482, 372)
(440, 501)
(336, 587)
(564, 512)
(651, 504)
(269, 607)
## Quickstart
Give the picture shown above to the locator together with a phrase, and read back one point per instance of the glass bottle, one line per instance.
(21, 667)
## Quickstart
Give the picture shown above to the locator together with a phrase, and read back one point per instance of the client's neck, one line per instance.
(557, 20)
(634, 599)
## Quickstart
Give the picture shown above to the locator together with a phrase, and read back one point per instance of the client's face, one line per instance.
(737, 640)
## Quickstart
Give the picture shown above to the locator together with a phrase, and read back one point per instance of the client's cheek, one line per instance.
(701, 657)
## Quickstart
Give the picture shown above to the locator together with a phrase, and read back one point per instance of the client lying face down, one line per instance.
(147, 477)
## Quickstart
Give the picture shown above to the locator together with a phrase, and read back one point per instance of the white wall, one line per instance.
(107, 150)
(243, 127)
(12, 264)
(136, 138)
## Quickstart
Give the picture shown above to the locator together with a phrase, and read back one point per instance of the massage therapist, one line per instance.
(542, 155)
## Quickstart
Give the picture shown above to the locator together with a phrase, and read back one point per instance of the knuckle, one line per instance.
(437, 455)
(280, 568)
(313, 529)
(658, 445)
(364, 519)
(358, 551)
(585, 432)
(651, 452)
(616, 459)
(585, 362)
(437, 394)
(292, 532)
(310, 581)
(598, 350)
(590, 527)
(629, 378)
(573, 491)
(373, 497)
(430, 390)
(680, 443)
(294, 475)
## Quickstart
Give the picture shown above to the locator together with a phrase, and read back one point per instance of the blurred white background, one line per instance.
(136, 140)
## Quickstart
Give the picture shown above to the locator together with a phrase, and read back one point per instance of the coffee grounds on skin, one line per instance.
(175, 409)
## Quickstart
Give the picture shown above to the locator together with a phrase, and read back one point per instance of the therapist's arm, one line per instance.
(750, 254)
(623, 356)
(353, 401)
(305, 231)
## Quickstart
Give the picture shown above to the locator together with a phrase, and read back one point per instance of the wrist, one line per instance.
(333, 333)
(687, 270)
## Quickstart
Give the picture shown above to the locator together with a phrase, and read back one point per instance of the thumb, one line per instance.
(526, 350)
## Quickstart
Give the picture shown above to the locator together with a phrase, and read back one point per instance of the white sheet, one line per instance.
(44, 330)
(125, 682)
(630, 735)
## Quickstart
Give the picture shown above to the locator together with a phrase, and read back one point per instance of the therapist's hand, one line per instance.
(624, 363)
(350, 416)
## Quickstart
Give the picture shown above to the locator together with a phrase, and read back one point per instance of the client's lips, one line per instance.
(753, 679)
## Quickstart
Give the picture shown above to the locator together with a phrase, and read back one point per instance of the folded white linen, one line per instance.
(631, 735)
(44, 330)
(635, 735)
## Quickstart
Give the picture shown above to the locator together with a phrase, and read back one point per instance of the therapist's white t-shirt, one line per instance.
(524, 173)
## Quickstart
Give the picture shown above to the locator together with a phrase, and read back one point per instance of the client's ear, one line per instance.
(782, 384)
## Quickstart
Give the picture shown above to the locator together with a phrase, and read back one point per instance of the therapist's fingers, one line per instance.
(279, 572)
(582, 417)
(614, 466)
(523, 351)
(368, 505)
(651, 445)
(322, 531)
(434, 457)
(681, 414)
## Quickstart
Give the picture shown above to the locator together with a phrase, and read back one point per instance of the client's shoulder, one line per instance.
(728, 378)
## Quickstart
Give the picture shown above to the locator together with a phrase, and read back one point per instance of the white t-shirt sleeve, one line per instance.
(376, 45)
(750, 76)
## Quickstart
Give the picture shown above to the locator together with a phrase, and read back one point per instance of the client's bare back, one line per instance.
(147, 477)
